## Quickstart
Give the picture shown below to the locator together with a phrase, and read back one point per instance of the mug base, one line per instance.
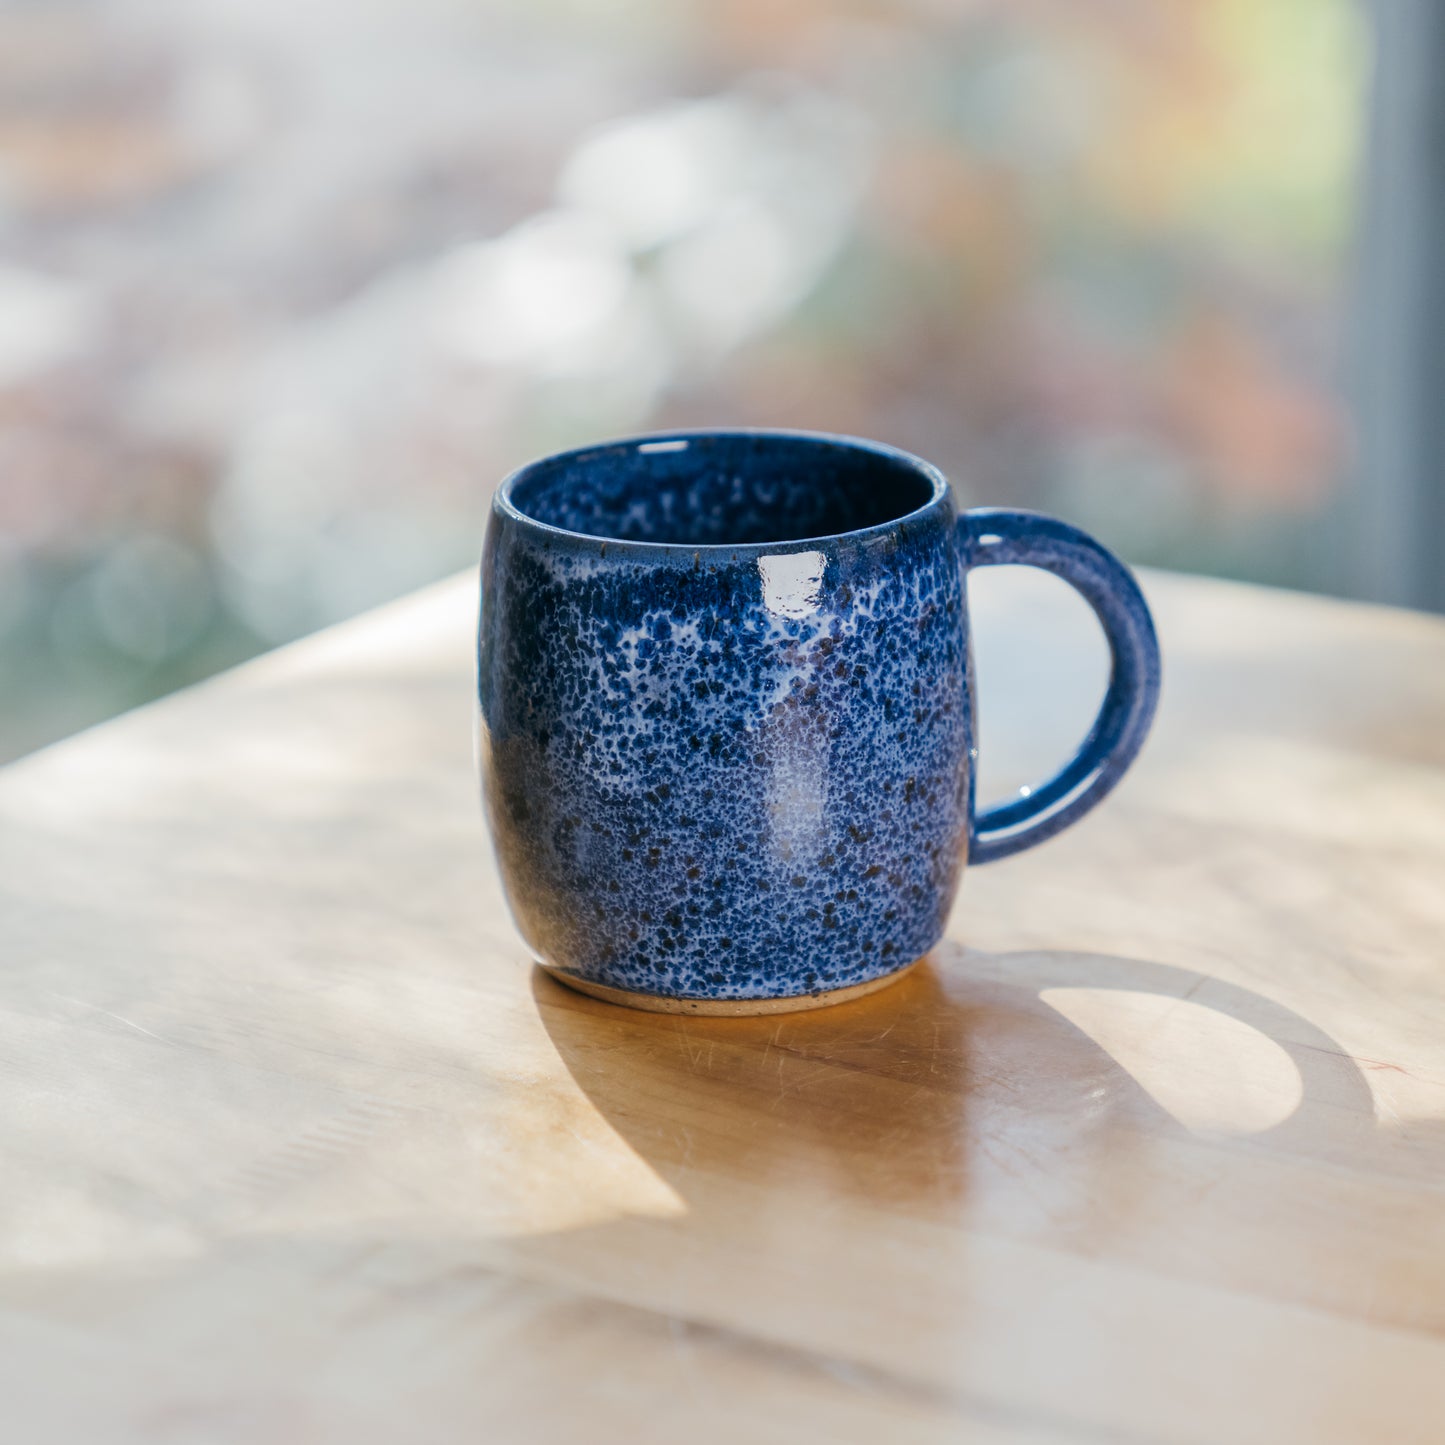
(661, 1003)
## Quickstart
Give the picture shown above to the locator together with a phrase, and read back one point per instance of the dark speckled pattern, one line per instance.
(716, 764)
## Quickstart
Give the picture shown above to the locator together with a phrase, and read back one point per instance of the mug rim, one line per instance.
(503, 504)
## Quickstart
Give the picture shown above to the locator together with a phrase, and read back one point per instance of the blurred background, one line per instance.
(285, 288)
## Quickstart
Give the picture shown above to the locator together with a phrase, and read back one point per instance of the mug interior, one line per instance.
(723, 489)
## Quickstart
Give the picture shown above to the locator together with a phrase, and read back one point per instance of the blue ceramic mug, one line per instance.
(727, 712)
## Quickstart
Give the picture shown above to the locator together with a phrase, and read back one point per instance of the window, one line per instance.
(288, 288)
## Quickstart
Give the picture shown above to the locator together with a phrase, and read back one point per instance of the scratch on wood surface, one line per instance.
(771, 1044)
(820, 1072)
(107, 1013)
(1357, 1059)
(983, 1076)
(679, 1027)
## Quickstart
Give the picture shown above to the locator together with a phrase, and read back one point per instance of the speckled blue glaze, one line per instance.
(726, 704)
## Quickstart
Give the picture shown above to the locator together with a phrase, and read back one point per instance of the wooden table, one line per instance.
(299, 1147)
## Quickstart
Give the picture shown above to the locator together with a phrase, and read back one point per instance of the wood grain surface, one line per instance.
(299, 1147)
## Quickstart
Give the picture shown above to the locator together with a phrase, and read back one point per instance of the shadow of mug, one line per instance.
(943, 1092)
(1086, 1105)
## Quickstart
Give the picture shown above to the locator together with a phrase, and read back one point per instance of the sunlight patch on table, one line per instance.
(1211, 1073)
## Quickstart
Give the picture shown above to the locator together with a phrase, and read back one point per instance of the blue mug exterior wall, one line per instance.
(723, 768)
(728, 772)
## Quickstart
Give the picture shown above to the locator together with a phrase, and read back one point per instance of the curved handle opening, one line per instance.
(993, 537)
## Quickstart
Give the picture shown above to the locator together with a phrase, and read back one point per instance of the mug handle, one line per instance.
(997, 537)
